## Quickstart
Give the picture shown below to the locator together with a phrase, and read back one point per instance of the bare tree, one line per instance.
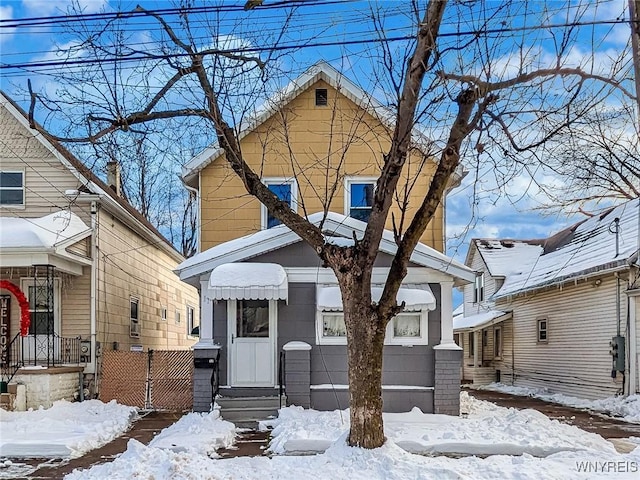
(470, 79)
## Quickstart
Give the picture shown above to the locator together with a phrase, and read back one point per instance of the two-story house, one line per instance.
(560, 313)
(318, 145)
(81, 271)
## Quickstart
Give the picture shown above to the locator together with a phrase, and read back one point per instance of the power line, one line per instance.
(298, 46)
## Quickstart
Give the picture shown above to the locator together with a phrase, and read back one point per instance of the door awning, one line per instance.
(248, 281)
(329, 298)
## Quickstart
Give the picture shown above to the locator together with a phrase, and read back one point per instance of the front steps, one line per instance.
(8, 399)
(248, 411)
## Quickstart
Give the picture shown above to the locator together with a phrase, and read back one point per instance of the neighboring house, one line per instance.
(322, 132)
(561, 313)
(81, 266)
(266, 293)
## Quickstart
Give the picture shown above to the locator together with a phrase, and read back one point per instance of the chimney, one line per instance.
(113, 177)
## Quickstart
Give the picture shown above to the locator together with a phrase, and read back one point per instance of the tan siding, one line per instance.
(327, 144)
(75, 300)
(46, 179)
(130, 266)
(575, 360)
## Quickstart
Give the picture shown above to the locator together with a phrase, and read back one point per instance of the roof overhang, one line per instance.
(479, 321)
(25, 258)
(248, 281)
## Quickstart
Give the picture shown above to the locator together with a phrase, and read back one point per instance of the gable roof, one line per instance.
(319, 71)
(587, 247)
(45, 232)
(91, 182)
(498, 255)
(335, 225)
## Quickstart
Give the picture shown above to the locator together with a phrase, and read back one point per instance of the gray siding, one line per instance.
(300, 254)
(413, 366)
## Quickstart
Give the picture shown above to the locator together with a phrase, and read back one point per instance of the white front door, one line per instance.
(252, 342)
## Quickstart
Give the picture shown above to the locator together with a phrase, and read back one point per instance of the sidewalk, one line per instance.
(142, 430)
(607, 427)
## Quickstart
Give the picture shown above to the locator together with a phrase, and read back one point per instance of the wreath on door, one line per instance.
(25, 315)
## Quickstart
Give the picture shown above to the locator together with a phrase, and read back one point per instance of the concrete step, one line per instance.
(248, 410)
(272, 402)
(7, 401)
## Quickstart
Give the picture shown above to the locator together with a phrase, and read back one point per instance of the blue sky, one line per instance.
(476, 208)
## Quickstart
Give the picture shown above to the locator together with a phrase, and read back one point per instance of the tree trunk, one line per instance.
(365, 342)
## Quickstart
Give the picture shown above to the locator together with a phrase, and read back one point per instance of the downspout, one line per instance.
(94, 286)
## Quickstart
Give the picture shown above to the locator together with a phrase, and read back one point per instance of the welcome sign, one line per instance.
(5, 319)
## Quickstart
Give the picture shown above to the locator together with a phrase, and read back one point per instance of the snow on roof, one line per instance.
(330, 298)
(251, 281)
(472, 322)
(40, 233)
(335, 225)
(499, 255)
(586, 247)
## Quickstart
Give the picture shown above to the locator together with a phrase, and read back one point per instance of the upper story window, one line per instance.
(478, 289)
(12, 188)
(359, 197)
(287, 191)
(322, 98)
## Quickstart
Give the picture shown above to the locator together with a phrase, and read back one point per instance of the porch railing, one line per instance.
(10, 362)
(49, 350)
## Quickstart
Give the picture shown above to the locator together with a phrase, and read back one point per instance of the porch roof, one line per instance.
(330, 299)
(248, 281)
(479, 320)
(44, 240)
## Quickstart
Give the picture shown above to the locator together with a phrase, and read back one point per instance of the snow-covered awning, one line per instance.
(248, 281)
(479, 320)
(330, 299)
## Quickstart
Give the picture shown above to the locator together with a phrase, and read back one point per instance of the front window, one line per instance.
(407, 328)
(134, 325)
(286, 190)
(192, 326)
(497, 342)
(472, 343)
(12, 188)
(359, 198)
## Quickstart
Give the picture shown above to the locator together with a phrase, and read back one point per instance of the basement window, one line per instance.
(322, 98)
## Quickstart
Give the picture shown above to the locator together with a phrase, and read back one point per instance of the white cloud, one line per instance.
(6, 13)
(60, 7)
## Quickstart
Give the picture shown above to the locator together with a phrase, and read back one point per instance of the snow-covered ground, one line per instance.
(546, 449)
(622, 408)
(64, 430)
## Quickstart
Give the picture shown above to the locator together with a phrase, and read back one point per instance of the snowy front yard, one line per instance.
(517, 445)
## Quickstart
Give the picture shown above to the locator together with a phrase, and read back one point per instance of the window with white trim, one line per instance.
(472, 343)
(286, 189)
(497, 342)
(358, 197)
(134, 317)
(12, 188)
(163, 314)
(478, 289)
(193, 327)
(406, 328)
(178, 317)
(543, 333)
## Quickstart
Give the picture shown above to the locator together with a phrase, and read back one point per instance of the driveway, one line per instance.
(607, 427)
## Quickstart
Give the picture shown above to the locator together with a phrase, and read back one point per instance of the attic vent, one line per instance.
(321, 97)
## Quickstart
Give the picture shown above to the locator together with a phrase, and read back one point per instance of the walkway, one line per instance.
(142, 430)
